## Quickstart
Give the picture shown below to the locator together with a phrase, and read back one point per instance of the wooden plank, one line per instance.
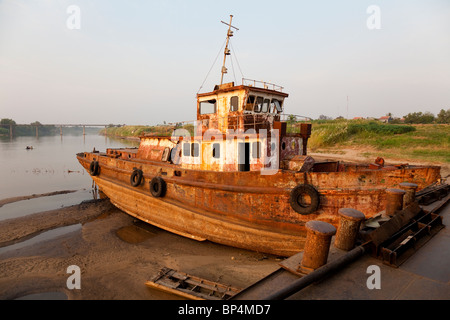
(190, 287)
(183, 294)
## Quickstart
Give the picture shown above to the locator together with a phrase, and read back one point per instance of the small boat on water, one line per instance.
(240, 174)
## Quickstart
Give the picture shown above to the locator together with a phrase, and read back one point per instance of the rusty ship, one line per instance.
(240, 175)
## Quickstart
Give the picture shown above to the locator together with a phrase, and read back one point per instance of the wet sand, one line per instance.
(116, 255)
(33, 196)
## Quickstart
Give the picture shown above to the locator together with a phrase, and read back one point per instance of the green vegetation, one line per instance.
(419, 117)
(4, 131)
(443, 116)
(126, 131)
(26, 130)
(137, 131)
(330, 132)
(422, 142)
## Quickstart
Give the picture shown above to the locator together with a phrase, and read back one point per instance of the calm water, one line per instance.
(47, 235)
(50, 166)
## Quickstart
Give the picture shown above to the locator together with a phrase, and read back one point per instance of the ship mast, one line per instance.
(227, 51)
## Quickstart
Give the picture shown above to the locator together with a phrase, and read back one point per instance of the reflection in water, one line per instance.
(134, 233)
(96, 192)
(27, 207)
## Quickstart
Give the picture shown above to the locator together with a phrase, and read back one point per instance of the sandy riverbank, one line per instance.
(116, 255)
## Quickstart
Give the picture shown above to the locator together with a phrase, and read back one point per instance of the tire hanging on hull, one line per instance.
(94, 168)
(158, 187)
(298, 201)
(136, 177)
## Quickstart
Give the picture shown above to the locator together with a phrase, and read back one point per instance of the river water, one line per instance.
(50, 166)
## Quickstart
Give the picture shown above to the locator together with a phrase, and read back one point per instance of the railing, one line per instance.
(294, 118)
(261, 84)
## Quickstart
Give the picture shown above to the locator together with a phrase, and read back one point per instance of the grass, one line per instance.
(341, 131)
(137, 131)
(421, 142)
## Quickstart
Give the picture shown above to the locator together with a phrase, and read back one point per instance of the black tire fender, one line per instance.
(297, 202)
(94, 168)
(136, 177)
(158, 187)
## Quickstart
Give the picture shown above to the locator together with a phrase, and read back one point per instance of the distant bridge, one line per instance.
(55, 125)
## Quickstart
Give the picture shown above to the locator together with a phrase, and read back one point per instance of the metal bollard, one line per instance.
(394, 200)
(410, 195)
(317, 245)
(348, 228)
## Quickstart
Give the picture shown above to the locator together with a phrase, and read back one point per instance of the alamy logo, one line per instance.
(374, 20)
(73, 22)
(270, 160)
(373, 281)
(74, 281)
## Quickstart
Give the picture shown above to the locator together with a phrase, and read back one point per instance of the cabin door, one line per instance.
(244, 156)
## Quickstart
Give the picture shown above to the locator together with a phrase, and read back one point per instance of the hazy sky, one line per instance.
(142, 62)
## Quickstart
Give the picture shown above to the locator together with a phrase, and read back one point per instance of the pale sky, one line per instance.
(143, 62)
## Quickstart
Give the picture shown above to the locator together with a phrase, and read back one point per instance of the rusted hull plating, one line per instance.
(245, 209)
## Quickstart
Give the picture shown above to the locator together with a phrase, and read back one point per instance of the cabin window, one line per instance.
(234, 103)
(258, 104)
(272, 148)
(265, 105)
(186, 149)
(256, 150)
(216, 150)
(191, 149)
(250, 103)
(195, 150)
(275, 106)
(207, 107)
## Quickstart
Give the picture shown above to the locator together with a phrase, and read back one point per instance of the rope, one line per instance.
(237, 61)
(232, 67)
(212, 66)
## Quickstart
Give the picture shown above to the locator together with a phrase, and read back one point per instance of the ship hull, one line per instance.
(243, 209)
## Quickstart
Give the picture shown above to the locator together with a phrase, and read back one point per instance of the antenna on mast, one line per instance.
(227, 51)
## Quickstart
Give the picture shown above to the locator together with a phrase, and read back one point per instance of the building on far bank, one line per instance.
(385, 119)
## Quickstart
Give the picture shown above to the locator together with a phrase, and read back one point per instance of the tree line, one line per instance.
(44, 130)
(427, 117)
(443, 117)
(29, 130)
